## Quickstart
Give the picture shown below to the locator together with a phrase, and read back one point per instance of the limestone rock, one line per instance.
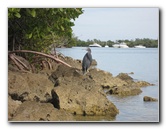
(124, 90)
(12, 107)
(94, 62)
(36, 111)
(29, 86)
(143, 83)
(81, 94)
(147, 99)
(125, 77)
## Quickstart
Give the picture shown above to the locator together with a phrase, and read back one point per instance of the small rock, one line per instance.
(124, 76)
(124, 90)
(143, 83)
(148, 99)
(131, 73)
(94, 62)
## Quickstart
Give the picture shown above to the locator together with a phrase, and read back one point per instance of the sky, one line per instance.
(117, 24)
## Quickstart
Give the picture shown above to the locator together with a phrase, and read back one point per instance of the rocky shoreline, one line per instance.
(63, 93)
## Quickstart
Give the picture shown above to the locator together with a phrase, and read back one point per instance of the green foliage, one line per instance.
(37, 28)
(14, 12)
(149, 43)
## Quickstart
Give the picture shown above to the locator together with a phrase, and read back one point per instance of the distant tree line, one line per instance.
(149, 43)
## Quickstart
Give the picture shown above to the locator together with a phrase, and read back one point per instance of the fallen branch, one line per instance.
(39, 53)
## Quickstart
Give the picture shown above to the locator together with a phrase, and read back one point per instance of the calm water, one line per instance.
(145, 65)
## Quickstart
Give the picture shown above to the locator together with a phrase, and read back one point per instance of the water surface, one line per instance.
(144, 63)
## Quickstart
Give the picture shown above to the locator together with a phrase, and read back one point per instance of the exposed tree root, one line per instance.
(24, 65)
(11, 56)
(21, 66)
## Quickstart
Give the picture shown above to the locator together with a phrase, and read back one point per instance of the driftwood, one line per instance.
(20, 64)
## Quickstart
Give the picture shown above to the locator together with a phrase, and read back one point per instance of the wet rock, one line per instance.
(147, 99)
(131, 73)
(143, 83)
(124, 90)
(36, 111)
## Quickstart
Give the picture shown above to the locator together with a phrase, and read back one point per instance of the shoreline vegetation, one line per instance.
(148, 43)
(62, 93)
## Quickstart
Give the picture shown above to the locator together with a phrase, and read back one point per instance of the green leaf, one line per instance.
(62, 28)
(33, 13)
(30, 35)
(61, 9)
(17, 15)
(78, 10)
